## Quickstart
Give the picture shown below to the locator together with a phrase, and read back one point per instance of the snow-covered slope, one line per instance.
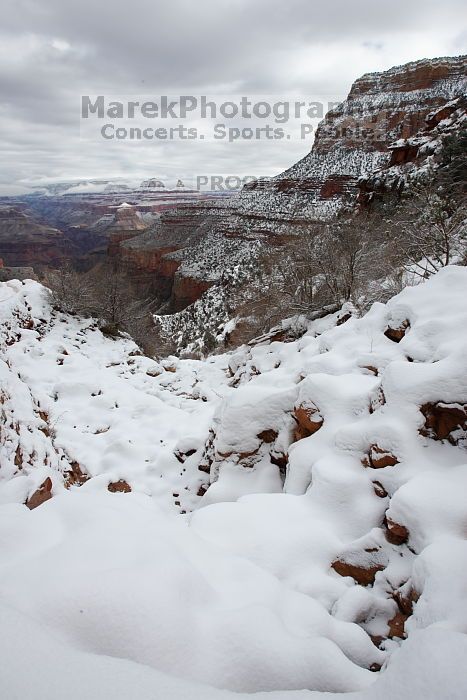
(135, 572)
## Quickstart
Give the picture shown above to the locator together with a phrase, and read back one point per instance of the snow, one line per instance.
(168, 593)
(216, 612)
(56, 671)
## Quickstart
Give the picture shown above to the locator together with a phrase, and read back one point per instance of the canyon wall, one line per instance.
(26, 243)
(388, 126)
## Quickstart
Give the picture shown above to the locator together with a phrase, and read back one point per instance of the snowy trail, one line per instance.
(102, 408)
(324, 487)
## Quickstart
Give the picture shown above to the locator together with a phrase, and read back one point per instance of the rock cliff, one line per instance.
(26, 243)
(358, 138)
(388, 126)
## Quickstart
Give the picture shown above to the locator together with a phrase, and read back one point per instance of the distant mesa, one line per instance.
(152, 184)
(127, 218)
(112, 188)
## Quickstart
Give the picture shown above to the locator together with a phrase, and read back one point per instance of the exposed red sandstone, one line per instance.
(24, 243)
(41, 495)
(406, 600)
(308, 419)
(378, 458)
(397, 625)
(182, 456)
(372, 369)
(396, 334)
(334, 186)
(146, 266)
(75, 476)
(267, 435)
(403, 153)
(204, 467)
(395, 532)
(120, 486)
(186, 290)
(379, 489)
(127, 218)
(147, 256)
(405, 603)
(445, 421)
(364, 575)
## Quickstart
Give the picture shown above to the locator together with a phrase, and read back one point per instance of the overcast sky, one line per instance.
(54, 51)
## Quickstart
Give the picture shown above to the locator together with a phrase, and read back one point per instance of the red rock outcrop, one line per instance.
(41, 495)
(395, 532)
(396, 334)
(357, 137)
(362, 561)
(186, 290)
(445, 421)
(120, 486)
(378, 458)
(379, 489)
(397, 625)
(147, 266)
(405, 603)
(75, 476)
(268, 435)
(148, 258)
(127, 218)
(364, 575)
(308, 419)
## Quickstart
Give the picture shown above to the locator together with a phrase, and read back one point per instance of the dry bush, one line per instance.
(327, 265)
(73, 292)
(106, 293)
(428, 229)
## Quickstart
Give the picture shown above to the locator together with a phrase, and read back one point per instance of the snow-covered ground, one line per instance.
(295, 521)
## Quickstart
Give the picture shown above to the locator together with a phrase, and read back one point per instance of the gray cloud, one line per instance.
(52, 51)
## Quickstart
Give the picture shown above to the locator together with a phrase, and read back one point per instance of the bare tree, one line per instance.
(325, 266)
(106, 293)
(429, 228)
(73, 292)
(345, 255)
